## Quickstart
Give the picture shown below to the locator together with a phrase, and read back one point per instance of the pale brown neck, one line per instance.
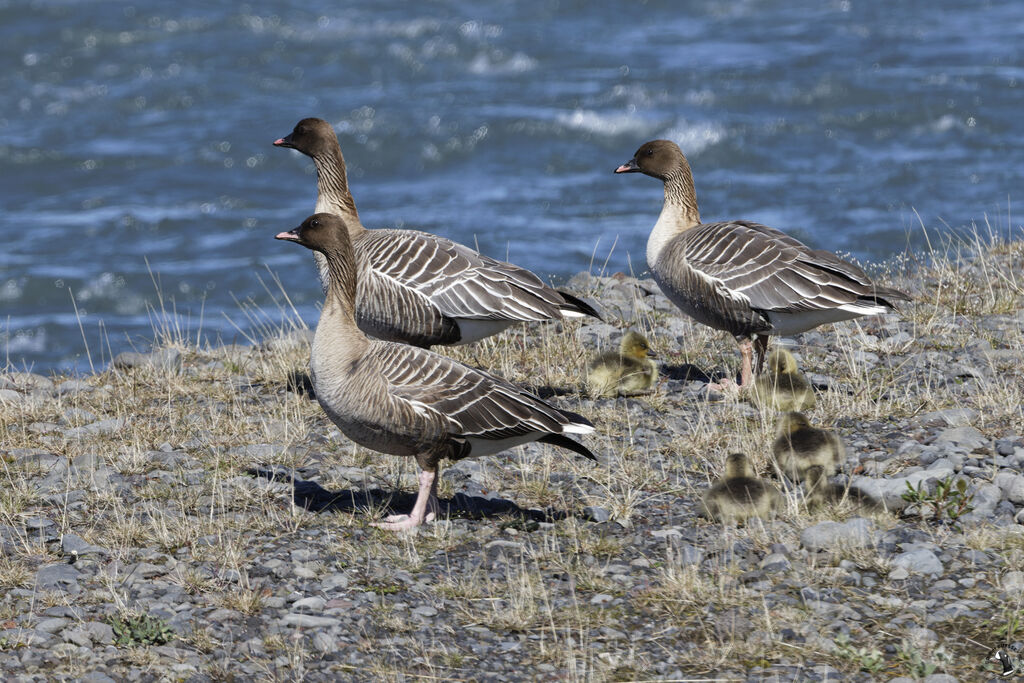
(333, 195)
(681, 194)
(341, 286)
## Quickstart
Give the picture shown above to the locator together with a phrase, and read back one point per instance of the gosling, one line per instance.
(739, 495)
(627, 372)
(783, 386)
(799, 446)
(819, 491)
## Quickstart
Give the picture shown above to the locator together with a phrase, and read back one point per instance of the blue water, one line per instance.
(135, 139)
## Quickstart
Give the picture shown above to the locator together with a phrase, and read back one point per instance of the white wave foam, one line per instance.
(695, 138)
(23, 341)
(606, 124)
(499, 63)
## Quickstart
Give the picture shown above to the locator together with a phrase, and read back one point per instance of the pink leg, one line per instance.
(746, 372)
(425, 509)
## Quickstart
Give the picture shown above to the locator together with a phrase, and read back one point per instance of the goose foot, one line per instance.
(425, 509)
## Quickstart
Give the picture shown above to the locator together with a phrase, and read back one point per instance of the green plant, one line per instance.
(949, 499)
(865, 659)
(139, 629)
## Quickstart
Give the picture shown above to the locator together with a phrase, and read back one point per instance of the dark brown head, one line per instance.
(323, 232)
(312, 137)
(661, 159)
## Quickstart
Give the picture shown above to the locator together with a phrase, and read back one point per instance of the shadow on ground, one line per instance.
(315, 498)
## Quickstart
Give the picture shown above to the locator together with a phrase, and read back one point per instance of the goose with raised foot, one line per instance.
(740, 495)
(799, 446)
(626, 372)
(403, 400)
(417, 288)
(782, 386)
(747, 279)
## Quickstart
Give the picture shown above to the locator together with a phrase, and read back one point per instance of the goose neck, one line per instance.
(333, 195)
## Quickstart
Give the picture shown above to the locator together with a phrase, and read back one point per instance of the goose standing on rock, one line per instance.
(747, 279)
(740, 495)
(403, 400)
(417, 288)
(626, 372)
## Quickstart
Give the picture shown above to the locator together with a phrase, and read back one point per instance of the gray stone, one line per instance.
(324, 642)
(101, 427)
(73, 386)
(890, 491)
(689, 555)
(100, 633)
(919, 561)
(168, 360)
(425, 611)
(96, 677)
(953, 417)
(966, 436)
(1012, 486)
(76, 545)
(58, 576)
(596, 514)
(314, 603)
(51, 624)
(309, 621)
(1013, 581)
(25, 381)
(854, 533)
(940, 678)
(986, 497)
(10, 396)
(775, 562)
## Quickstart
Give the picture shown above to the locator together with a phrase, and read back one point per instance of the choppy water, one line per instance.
(135, 139)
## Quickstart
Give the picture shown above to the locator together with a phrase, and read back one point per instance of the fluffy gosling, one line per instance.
(783, 386)
(799, 446)
(819, 491)
(739, 495)
(627, 372)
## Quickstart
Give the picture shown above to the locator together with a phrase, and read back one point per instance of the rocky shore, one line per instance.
(190, 514)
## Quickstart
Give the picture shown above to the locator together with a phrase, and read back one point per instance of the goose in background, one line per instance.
(798, 446)
(626, 372)
(747, 279)
(417, 288)
(782, 386)
(740, 495)
(819, 491)
(403, 400)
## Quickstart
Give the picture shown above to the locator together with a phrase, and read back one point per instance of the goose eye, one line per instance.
(650, 152)
(315, 223)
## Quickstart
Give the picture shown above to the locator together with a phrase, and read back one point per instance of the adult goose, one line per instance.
(417, 288)
(747, 279)
(403, 400)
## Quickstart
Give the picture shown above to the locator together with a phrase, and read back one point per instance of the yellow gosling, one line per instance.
(739, 495)
(628, 372)
(799, 446)
(783, 386)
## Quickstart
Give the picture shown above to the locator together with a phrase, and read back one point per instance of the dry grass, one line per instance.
(557, 586)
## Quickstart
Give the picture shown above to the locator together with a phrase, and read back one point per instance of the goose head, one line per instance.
(791, 422)
(738, 465)
(323, 232)
(313, 137)
(661, 159)
(634, 345)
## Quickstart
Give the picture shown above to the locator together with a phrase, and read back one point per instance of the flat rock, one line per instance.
(919, 561)
(854, 533)
(309, 621)
(966, 437)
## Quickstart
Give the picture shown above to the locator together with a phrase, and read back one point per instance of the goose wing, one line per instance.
(460, 282)
(475, 404)
(775, 272)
